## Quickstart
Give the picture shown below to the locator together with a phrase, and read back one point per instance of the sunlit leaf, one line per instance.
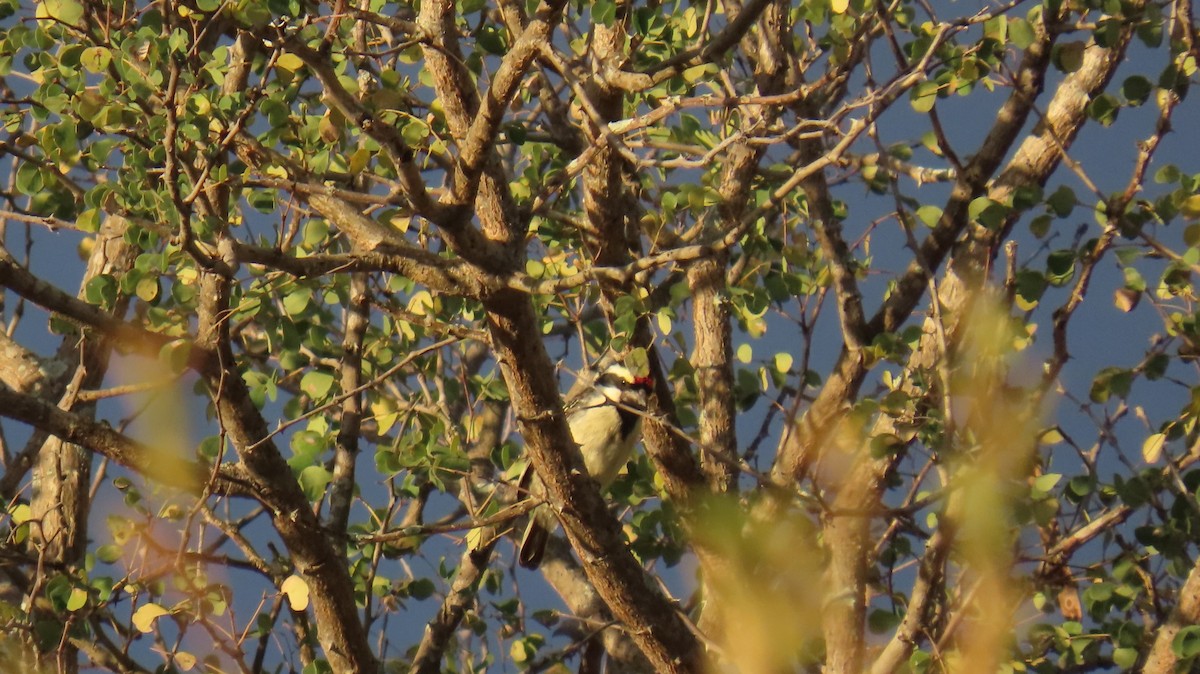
(146, 615)
(1152, 447)
(296, 591)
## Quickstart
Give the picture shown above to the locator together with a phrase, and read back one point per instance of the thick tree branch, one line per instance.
(651, 620)
(492, 202)
(387, 135)
(478, 144)
(317, 557)
(357, 318)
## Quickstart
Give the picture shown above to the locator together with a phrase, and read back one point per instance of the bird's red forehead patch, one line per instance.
(644, 382)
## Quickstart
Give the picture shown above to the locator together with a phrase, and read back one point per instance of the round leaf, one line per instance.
(144, 617)
(296, 591)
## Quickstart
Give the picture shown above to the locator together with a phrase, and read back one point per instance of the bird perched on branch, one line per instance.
(606, 420)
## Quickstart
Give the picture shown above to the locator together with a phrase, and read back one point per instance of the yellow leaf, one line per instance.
(1126, 300)
(77, 600)
(185, 660)
(475, 539)
(329, 127)
(144, 617)
(1152, 447)
(20, 514)
(1051, 436)
(1191, 206)
(289, 62)
(296, 591)
(839, 6)
(384, 411)
(756, 327)
(1024, 304)
(744, 353)
(422, 303)
(358, 160)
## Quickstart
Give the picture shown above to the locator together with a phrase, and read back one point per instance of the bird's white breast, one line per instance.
(604, 452)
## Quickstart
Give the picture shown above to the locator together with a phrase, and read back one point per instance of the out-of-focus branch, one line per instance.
(24, 283)
(100, 438)
(1032, 164)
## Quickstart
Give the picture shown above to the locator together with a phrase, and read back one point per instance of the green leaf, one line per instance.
(745, 353)
(289, 62)
(146, 615)
(316, 384)
(923, 96)
(1111, 381)
(316, 231)
(492, 39)
(1045, 483)
(1068, 56)
(421, 588)
(1125, 657)
(521, 651)
(108, 553)
(1167, 174)
(1104, 109)
(1081, 485)
(700, 72)
(77, 600)
(1062, 202)
(175, 355)
(1027, 196)
(1108, 32)
(1137, 89)
(880, 621)
(65, 11)
(1040, 226)
(987, 213)
(101, 290)
(296, 302)
(1186, 643)
(604, 12)
(1152, 447)
(210, 448)
(313, 481)
(1190, 207)
(29, 180)
(1060, 267)
(930, 215)
(95, 59)
(996, 28)
(1020, 33)
(148, 289)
